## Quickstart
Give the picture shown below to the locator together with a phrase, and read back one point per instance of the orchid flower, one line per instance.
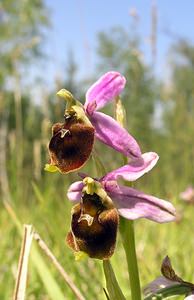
(188, 195)
(131, 203)
(72, 141)
(96, 236)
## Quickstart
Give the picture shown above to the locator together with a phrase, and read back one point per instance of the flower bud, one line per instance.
(93, 227)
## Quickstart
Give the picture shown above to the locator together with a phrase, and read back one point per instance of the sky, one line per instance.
(76, 23)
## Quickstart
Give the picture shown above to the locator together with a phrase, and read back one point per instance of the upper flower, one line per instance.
(72, 141)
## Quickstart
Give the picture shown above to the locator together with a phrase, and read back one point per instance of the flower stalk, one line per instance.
(128, 240)
(127, 227)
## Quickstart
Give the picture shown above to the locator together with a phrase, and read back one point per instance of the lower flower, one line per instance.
(100, 202)
(94, 226)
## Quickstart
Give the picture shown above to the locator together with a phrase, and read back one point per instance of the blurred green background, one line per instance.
(160, 114)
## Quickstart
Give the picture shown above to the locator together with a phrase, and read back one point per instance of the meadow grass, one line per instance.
(48, 210)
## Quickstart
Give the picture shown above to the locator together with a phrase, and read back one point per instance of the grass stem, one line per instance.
(21, 278)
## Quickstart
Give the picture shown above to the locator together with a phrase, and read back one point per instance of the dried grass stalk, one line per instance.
(20, 286)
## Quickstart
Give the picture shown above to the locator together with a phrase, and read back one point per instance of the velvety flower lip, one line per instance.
(94, 223)
(131, 203)
(66, 151)
(103, 91)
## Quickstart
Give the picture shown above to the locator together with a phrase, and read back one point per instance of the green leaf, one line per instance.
(112, 285)
(175, 290)
(168, 285)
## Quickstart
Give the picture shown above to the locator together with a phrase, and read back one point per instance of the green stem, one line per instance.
(128, 239)
(126, 226)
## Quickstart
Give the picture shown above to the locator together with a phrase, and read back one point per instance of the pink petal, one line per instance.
(133, 204)
(134, 169)
(103, 91)
(109, 132)
(191, 297)
(74, 192)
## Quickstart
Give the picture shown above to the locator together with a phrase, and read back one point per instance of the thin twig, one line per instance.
(20, 286)
(58, 266)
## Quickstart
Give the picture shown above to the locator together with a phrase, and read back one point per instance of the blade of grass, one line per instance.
(106, 294)
(113, 288)
(37, 192)
(21, 278)
(52, 287)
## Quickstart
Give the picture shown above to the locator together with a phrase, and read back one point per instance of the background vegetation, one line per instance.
(160, 114)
